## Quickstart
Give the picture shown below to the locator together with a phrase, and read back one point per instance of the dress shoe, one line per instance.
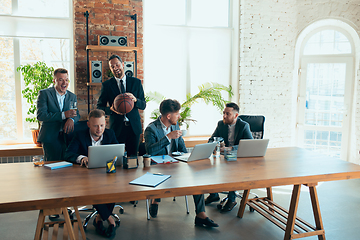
(211, 199)
(111, 231)
(99, 227)
(228, 206)
(54, 216)
(207, 222)
(153, 210)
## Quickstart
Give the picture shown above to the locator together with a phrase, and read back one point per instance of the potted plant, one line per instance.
(36, 77)
(208, 92)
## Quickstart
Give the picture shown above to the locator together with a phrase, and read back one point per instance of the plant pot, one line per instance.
(35, 134)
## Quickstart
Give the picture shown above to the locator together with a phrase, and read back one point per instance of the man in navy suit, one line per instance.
(163, 136)
(77, 152)
(127, 127)
(231, 129)
(56, 116)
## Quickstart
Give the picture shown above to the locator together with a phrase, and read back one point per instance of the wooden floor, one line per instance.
(339, 203)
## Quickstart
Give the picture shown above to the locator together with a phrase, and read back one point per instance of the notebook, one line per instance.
(150, 179)
(99, 155)
(252, 147)
(200, 151)
(58, 165)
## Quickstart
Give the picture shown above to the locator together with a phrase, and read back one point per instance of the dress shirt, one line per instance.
(166, 130)
(61, 99)
(231, 136)
(93, 143)
(118, 82)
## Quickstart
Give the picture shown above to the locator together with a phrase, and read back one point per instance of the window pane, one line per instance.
(218, 8)
(326, 142)
(42, 8)
(5, 7)
(8, 127)
(327, 42)
(165, 12)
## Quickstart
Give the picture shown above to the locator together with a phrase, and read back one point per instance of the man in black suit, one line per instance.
(163, 136)
(77, 152)
(127, 127)
(56, 116)
(231, 129)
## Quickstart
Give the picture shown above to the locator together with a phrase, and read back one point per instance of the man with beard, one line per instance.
(127, 127)
(163, 136)
(55, 115)
(231, 129)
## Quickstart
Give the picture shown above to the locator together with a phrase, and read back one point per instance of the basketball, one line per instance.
(123, 103)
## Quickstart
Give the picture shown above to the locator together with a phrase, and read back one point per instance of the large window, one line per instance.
(30, 31)
(187, 43)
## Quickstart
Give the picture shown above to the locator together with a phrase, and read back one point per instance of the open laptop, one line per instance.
(252, 147)
(99, 155)
(200, 151)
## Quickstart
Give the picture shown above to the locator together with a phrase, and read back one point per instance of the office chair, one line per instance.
(80, 126)
(257, 130)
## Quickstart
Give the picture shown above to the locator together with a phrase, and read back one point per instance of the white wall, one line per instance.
(268, 35)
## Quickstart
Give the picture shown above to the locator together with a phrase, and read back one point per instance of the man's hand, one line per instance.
(69, 126)
(84, 161)
(70, 113)
(174, 134)
(131, 96)
(113, 109)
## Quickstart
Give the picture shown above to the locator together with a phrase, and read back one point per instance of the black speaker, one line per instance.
(104, 40)
(96, 72)
(129, 69)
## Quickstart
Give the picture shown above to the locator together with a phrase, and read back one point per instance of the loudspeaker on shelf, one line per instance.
(106, 40)
(129, 68)
(96, 72)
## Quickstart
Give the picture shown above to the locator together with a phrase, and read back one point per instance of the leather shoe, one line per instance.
(54, 216)
(211, 199)
(228, 206)
(153, 210)
(111, 231)
(207, 222)
(99, 227)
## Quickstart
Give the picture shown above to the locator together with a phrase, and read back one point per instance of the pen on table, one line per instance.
(113, 164)
(163, 156)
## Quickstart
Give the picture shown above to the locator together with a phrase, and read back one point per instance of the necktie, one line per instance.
(122, 88)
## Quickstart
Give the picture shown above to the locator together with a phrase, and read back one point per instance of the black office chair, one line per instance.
(256, 123)
(80, 126)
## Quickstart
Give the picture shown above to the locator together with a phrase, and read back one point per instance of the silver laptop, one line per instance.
(252, 147)
(99, 155)
(200, 151)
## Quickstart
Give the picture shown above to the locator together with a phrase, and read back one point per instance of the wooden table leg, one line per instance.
(316, 210)
(292, 212)
(80, 223)
(243, 203)
(269, 193)
(39, 226)
(68, 223)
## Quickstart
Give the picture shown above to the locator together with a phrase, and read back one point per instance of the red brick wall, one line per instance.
(106, 17)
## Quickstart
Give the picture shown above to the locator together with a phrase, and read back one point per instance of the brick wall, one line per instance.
(268, 34)
(106, 17)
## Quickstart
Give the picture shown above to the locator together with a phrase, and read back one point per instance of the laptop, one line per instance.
(200, 151)
(99, 155)
(252, 147)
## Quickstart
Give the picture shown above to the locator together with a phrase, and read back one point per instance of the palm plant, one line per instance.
(208, 92)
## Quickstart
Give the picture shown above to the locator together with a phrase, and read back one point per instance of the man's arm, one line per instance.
(43, 114)
(152, 145)
(71, 153)
(247, 133)
(140, 98)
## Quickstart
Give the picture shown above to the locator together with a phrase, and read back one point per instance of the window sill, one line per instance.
(13, 150)
(191, 141)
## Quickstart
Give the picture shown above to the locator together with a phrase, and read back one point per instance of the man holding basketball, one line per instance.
(127, 127)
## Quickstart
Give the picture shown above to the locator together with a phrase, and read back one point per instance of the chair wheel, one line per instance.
(121, 210)
(117, 223)
(84, 227)
(219, 206)
(251, 209)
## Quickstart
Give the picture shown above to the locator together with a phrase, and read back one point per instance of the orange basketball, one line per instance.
(123, 103)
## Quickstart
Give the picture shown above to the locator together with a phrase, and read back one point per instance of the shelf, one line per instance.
(94, 84)
(96, 48)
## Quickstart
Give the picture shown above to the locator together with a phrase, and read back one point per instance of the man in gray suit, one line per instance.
(56, 116)
(163, 136)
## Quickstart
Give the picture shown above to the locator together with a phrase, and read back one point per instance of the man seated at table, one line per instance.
(231, 129)
(77, 153)
(163, 136)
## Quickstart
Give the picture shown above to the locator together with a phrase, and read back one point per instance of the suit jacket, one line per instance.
(156, 142)
(49, 113)
(82, 140)
(242, 131)
(109, 91)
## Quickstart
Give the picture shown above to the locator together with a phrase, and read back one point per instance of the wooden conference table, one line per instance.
(36, 188)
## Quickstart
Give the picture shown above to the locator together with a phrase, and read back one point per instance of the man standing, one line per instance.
(56, 115)
(127, 127)
(77, 152)
(163, 136)
(231, 129)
